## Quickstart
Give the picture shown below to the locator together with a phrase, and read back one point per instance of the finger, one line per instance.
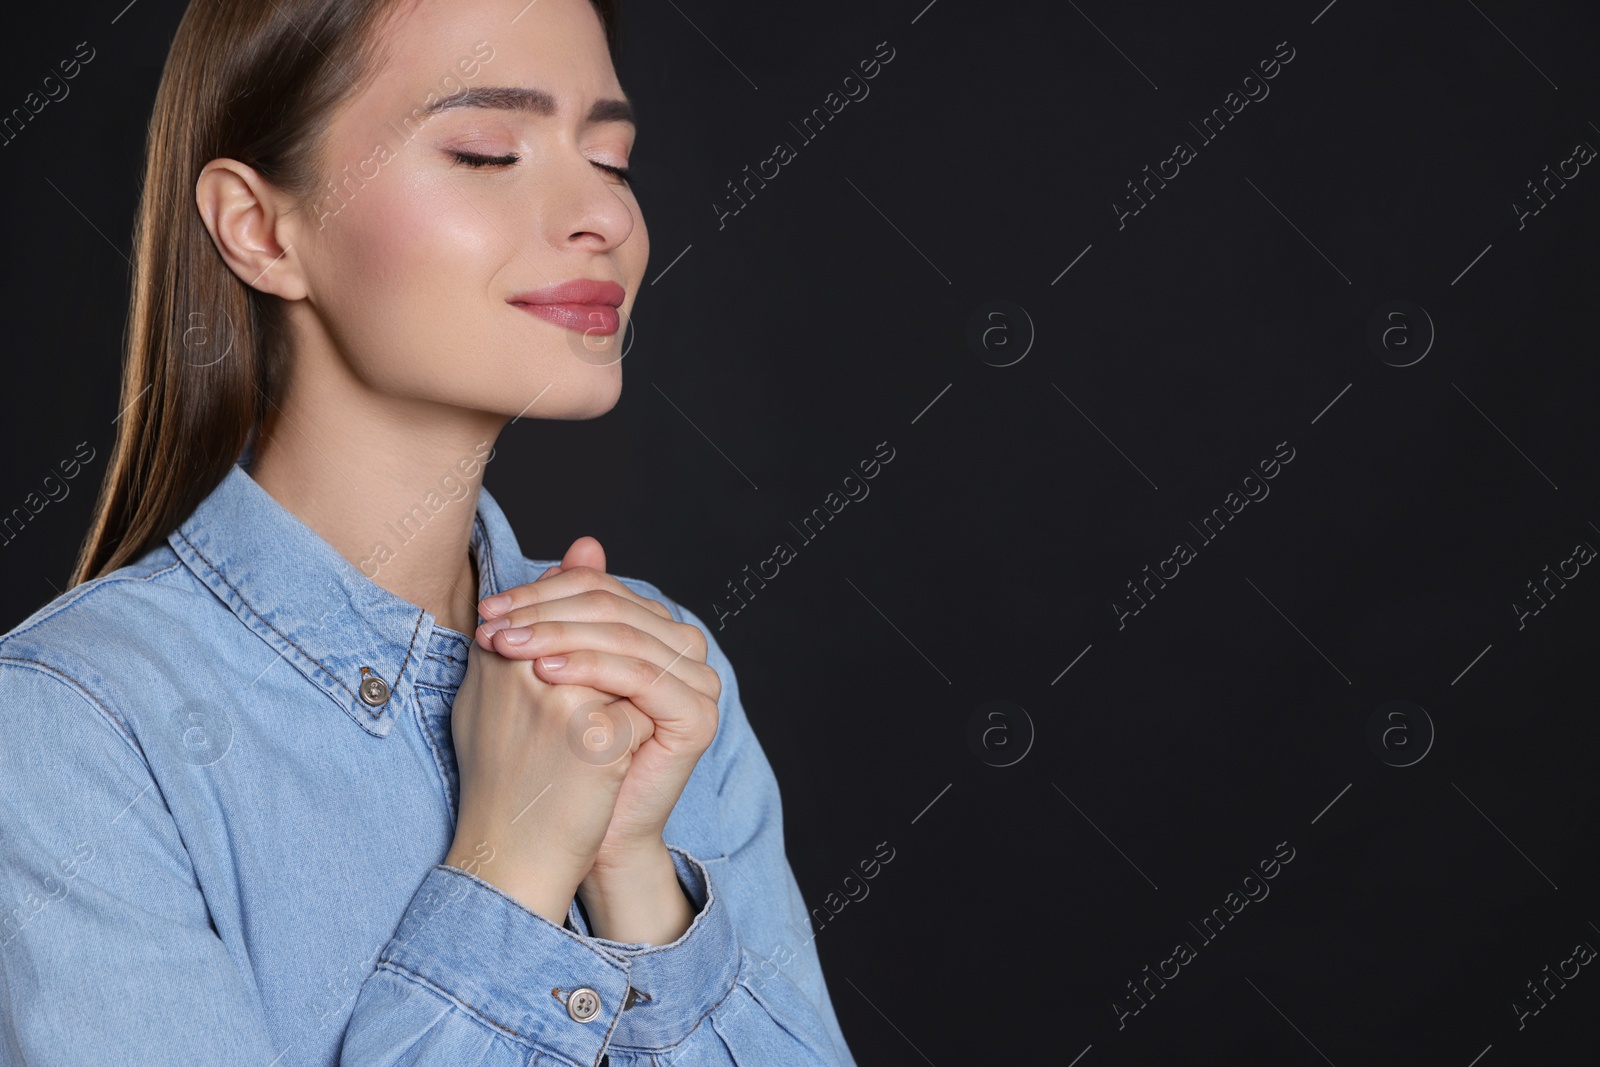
(566, 581)
(602, 606)
(684, 717)
(563, 636)
(494, 607)
(592, 697)
(497, 604)
(599, 605)
(585, 552)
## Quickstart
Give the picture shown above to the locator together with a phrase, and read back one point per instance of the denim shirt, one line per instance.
(227, 786)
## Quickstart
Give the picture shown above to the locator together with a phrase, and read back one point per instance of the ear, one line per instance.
(248, 220)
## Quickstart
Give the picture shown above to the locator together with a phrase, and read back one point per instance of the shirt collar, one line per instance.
(354, 640)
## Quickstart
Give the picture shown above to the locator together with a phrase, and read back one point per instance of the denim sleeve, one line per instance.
(107, 952)
(743, 984)
(106, 948)
(472, 976)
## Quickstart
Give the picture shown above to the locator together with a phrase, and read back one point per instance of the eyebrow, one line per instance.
(535, 101)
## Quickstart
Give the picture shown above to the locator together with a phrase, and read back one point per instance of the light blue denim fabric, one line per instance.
(214, 851)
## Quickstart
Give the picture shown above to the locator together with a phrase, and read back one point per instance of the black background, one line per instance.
(1229, 315)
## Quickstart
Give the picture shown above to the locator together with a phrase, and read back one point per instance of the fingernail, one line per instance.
(517, 635)
(494, 624)
(551, 663)
(496, 604)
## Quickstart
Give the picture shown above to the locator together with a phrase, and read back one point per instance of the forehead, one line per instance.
(433, 49)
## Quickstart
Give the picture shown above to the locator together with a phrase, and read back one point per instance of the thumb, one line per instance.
(585, 552)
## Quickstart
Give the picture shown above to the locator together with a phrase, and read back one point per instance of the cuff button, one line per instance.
(584, 1004)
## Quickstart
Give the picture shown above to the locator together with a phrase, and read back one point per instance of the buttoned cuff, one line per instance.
(678, 983)
(512, 968)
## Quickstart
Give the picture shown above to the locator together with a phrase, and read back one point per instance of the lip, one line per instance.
(582, 304)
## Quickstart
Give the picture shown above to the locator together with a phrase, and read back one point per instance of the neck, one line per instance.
(392, 486)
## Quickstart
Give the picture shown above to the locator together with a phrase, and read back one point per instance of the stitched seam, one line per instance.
(62, 676)
(711, 902)
(482, 1016)
(264, 621)
(377, 713)
(690, 1033)
(174, 565)
(88, 589)
(110, 716)
(438, 755)
(494, 572)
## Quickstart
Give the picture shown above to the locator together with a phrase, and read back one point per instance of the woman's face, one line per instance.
(437, 219)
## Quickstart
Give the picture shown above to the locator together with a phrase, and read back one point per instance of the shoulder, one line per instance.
(102, 610)
(90, 642)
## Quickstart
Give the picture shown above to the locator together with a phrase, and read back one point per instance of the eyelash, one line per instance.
(472, 159)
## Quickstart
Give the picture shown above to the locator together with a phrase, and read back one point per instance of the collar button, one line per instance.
(374, 690)
(584, 1004)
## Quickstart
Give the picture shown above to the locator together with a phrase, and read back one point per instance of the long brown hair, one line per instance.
(204, 352)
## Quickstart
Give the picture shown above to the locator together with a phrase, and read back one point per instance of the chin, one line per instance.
(608, 398)
(587, 401)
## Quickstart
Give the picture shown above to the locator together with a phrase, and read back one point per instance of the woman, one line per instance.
(266, 801)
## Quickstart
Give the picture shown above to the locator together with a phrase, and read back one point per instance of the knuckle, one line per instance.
(621, 634)
(696, 639)
(708, 726)
(642, 672)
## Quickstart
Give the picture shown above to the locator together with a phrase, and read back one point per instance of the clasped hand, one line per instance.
(578, 653)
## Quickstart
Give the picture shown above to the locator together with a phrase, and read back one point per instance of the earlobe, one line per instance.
(240, 210)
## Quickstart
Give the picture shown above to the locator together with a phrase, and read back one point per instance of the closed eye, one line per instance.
(474, 160)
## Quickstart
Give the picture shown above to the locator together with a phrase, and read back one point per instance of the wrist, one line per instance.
(542, 891)
(637, 900)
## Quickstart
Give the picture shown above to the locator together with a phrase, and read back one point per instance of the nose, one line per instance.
(587, 206)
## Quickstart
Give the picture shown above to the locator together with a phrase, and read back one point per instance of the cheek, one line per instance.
(406, 281)
(410, 236)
